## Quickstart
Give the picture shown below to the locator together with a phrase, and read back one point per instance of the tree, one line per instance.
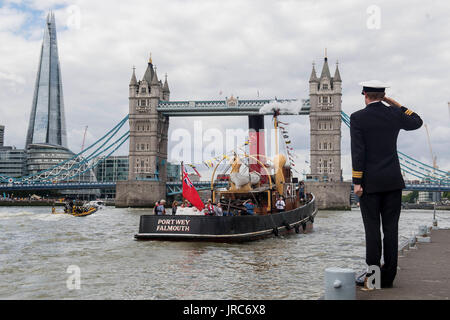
(411, 197)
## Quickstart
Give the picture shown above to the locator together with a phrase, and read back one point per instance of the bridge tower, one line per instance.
(148, 142)
(325, 94)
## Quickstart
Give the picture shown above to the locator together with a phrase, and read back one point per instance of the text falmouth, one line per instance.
(173, 225)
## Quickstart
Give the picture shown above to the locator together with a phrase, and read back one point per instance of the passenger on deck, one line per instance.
(154, 208)
(174, 207)
(250, 207)
(218, 210)
(280, 204)
(161, 210)
(209, 209)
(301, 191)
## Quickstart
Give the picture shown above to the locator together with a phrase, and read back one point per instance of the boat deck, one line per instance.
(423, 273)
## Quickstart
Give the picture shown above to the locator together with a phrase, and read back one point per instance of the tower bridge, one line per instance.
(150, 109)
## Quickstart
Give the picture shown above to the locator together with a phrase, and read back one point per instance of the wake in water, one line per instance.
(31, 215)
(7, 215)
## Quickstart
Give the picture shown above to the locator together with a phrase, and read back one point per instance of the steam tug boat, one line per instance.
(252, 176)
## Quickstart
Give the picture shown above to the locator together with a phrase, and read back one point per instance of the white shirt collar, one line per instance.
(373, 102)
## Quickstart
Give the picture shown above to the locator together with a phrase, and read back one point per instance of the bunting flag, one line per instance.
(194, 168)
(190, 193)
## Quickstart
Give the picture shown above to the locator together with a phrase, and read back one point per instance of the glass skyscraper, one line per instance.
(47, 122)
(2, 135)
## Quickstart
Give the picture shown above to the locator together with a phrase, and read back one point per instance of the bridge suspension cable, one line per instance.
(78, 163)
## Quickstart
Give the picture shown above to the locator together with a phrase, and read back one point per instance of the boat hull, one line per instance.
(227, 228)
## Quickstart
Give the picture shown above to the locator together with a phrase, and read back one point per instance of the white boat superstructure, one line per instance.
(96, 204)
(191, 211)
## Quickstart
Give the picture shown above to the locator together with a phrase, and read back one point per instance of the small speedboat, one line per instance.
(77, 211)
(85, 213)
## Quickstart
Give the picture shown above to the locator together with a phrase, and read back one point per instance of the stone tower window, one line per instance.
(325, 86)
(144, 90)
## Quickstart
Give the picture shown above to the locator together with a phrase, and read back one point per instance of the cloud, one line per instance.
(233, 47)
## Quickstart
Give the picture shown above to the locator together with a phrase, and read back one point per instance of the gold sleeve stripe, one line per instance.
(357, 174)
(409, 112)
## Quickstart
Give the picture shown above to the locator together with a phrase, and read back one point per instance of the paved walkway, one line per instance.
(424, 273)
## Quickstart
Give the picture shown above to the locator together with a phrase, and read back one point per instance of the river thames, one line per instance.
(37, 248)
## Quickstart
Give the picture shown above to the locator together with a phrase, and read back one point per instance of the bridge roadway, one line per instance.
(222, 107)
(172, 187)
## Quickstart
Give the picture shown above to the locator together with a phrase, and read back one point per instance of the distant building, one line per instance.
(47, 122)
(12, 162)
(426, 197)
(325, 180)
(325, 95)
(2, 136)
(42, 157)
(112, 169)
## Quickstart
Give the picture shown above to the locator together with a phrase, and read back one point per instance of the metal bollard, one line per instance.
(340, 284)
(412, 242)
(423, 230)
(435, 224)
(423, 235)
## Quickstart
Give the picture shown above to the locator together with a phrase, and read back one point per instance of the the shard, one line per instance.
(47, 123)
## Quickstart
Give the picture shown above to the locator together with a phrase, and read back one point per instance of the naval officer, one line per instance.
(376, 172)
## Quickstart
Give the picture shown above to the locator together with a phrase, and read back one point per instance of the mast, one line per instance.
(277, 151)
(181, 176)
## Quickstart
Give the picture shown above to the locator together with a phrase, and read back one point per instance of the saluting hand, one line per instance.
(391, 102)
(358, 190)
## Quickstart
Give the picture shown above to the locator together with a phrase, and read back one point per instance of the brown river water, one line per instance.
(36, 249)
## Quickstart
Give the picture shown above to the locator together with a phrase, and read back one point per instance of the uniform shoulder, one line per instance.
(357, 113)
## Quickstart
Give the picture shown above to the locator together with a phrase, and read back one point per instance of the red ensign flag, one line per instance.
(190, 193)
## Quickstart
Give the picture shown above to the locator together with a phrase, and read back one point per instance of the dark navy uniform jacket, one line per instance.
(374, 131)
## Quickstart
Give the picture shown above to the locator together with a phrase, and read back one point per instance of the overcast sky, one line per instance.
(212, 49)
